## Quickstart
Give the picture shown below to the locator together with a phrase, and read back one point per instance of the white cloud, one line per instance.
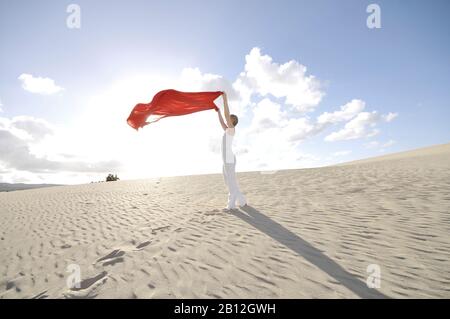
(300, 129)
(267, 114)
(20, 136)
(360, 126)
(39, 85)
(270, 142)
(346, 113)
(390, 117)
(192, 79)
(1, 104)
(288, 80)
(36, 128)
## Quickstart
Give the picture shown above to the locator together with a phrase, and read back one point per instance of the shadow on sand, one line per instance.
(306, 250)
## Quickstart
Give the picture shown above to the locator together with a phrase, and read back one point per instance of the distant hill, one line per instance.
(436, 150)
(6, 187)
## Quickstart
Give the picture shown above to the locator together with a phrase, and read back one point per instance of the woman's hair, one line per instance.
(235, 119)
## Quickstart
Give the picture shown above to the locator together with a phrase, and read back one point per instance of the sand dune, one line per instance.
(306, 234)
(436, 153)
(7, 187)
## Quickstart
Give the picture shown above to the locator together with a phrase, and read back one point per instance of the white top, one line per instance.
(227, 146)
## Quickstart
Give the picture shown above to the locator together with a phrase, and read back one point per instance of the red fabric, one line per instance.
(172, 103)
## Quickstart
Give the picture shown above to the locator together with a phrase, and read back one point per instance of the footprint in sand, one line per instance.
(142, 245)
(154, 231)
(41, 295)
(87, 283)
(116, 256)
(112, 258)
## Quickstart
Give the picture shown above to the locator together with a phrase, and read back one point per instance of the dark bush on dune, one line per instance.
(112, 178)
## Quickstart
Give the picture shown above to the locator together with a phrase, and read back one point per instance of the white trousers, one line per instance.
(234, 194)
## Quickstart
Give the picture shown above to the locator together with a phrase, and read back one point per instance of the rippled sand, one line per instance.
(307, 234)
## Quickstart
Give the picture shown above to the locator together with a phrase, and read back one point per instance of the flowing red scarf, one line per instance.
(172, 103)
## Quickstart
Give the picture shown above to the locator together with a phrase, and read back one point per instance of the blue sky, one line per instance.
(401, 68)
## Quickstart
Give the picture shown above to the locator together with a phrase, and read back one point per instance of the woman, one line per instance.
(228, 157)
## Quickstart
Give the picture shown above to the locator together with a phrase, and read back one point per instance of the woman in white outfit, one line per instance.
(229, 159)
